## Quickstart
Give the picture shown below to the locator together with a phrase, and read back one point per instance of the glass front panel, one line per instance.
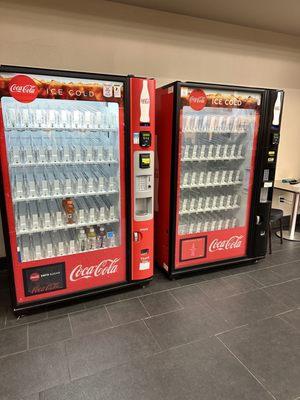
(64, 166)
(216, 153)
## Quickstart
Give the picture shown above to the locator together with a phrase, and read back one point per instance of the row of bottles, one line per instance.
(53, 244)
(196, 224)
(212, 152)
(41, 182)
(59, 152)
(191, 177)
(43, 215)
(83, 117)
(193, 203)
(216, 123)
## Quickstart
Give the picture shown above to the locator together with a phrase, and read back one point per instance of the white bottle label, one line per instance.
(277, 109)
(145, 104)
(186, 151)
(193, 180)
(192, 204)
(195, 150)
(200, 203)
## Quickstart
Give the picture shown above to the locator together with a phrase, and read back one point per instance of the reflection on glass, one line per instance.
(65, 176)
(215, 160)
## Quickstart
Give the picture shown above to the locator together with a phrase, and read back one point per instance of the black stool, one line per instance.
(276, 215)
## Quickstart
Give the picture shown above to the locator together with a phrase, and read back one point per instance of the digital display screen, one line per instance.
(145, 160)
(44, 279)
(145, 139)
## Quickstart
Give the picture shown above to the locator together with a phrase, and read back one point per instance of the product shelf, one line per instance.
(61, 195)
(65, 226)
(47, 164)
(211, 185)
(206, 210)
(212, 159)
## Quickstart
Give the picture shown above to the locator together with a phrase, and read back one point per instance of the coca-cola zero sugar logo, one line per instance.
(105, 267)
(35, 277)
(197, 99)
(234, 242)
(23, 88)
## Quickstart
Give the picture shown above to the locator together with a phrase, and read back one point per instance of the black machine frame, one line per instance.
(255, 251)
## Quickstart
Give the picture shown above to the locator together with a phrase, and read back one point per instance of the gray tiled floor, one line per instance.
(225, 334)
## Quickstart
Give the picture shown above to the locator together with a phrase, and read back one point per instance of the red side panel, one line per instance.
(164, 123)
(142, 231)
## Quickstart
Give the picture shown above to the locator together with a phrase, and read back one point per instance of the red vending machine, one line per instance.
(217, 149)
(77, 162)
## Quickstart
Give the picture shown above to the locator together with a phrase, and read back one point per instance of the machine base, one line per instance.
(204, 268)
(24, 309)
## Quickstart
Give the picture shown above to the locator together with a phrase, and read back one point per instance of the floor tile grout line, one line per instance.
(230, 330)
(249, 371)
(108, 314)
(144, 307)
(247, 274)
(255, 279)
(5, 319)
(287, 322)
(128, 323)
(280, 283)
(161, 351)
(286, 312)
(68, 339)
(165, 313)
(231, 295)
(152, 335)
(273, 298)
(67, 360)
(253, 290)
(14, 353)
(177, 300)
(27, 336)
(71, 327)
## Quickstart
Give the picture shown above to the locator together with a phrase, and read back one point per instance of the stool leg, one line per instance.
(270, 239)
(280, 222)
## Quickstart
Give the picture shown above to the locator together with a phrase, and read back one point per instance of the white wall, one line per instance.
(101, 36)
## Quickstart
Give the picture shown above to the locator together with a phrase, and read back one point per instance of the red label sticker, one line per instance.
(23, 88)
(197, 99)
(193, 248)
(34, 277)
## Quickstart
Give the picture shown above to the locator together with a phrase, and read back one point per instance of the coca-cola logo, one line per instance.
(197, 99)
(234, 242)
(35, 277)
(23, 88)
(105, 267)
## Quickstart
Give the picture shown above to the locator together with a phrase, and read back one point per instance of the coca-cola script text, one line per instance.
(105, 267)
(234, 242)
